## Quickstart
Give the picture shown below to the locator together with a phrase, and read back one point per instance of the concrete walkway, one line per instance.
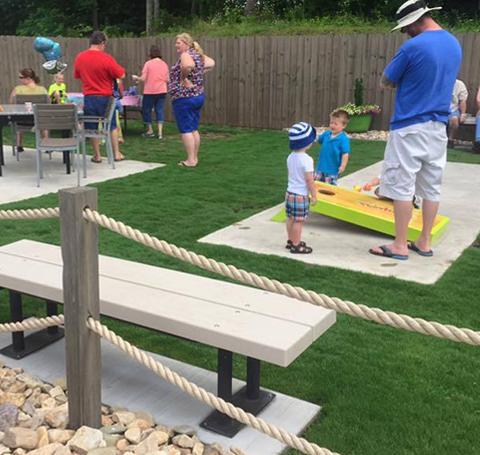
(128, 384)
(19, 177)
(339, 244)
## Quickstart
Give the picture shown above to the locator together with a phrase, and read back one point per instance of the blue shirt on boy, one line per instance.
(424, 78)
(331, 152)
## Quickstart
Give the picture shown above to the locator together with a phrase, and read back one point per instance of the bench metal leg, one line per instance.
(224, 371)
(16, 315)
(22, 346)
(250, 398)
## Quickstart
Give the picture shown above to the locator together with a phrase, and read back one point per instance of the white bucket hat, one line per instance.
(411, 11)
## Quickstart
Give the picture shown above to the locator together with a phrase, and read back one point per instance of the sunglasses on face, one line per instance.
(22, 77)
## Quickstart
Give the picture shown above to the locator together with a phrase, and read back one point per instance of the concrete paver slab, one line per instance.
(19, 177)
(339, 244)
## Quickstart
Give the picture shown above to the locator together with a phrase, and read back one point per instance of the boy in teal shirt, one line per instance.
(335, 149)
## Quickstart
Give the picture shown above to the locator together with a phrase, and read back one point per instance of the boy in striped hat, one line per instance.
(300, 184)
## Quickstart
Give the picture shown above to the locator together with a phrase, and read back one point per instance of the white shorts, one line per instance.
(415, 157)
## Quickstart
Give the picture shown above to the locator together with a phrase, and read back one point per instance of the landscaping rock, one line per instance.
(185, 429)
(34, 416)
(17, 437)
(184, 441)
(198, 448)
(42, 435)
(114, 429)
(103, 451)
(8, 416)
(61, 436)
(134, 435)
(123, 417)
(57, 417)
(48, 449)
(16, 399)
(86, 439)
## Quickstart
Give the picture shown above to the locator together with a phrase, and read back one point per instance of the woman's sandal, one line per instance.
(300, 249)
(94, 160)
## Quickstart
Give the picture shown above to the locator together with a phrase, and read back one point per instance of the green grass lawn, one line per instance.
(382, 391)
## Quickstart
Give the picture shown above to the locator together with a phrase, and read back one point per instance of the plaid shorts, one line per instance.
(296, 206)
(327, 178)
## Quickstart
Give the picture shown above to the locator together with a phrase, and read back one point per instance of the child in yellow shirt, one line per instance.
(58, 90)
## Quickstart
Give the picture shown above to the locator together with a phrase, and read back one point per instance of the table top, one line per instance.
(15, 109)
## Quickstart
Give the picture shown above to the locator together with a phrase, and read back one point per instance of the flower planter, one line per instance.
(359, 123)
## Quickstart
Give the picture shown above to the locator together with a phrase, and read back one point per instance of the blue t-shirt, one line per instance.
(331, 152)
(424, 71)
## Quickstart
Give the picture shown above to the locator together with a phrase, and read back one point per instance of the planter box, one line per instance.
(359, 123)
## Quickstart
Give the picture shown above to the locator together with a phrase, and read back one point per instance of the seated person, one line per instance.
(458, 110)
(28, 86)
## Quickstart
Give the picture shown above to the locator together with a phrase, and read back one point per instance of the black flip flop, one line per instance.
(388, 253)
(413, 247)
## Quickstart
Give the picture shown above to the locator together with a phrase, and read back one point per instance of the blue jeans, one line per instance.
(477, 130)
(151, 102)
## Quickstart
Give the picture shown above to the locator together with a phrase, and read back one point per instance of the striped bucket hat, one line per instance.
(301, 135)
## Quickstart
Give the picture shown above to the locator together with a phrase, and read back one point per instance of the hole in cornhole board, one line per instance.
(327, 192)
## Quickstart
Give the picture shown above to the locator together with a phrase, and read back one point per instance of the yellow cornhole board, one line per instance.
(366, 211)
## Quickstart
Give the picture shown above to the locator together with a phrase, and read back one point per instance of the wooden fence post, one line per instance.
(81, 300)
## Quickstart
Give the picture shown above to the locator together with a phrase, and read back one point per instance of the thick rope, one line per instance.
(32, 324)
(399, 321)
(206, 397)
(29, 214)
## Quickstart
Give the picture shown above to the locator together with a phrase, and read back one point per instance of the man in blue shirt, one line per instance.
(423, 71)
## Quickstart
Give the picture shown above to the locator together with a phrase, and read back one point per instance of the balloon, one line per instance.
(52, 53)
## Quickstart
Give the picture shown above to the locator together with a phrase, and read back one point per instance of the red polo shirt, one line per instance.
(97, 70)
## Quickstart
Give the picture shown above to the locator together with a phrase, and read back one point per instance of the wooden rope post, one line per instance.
(81, 300)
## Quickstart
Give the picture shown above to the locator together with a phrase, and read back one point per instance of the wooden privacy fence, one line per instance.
(260, 81)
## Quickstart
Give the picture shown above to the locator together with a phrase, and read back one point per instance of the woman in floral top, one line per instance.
(187, 93)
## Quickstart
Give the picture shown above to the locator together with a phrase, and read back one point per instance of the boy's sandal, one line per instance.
(290, 244)
(148, 135)
(300, 249)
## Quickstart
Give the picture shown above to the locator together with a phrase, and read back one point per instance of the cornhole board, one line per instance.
(366, 211)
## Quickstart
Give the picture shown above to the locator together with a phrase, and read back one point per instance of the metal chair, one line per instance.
(102, 132)
(57, 117)
(25, 126)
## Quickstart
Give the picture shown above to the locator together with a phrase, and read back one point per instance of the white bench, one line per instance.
(231, 317)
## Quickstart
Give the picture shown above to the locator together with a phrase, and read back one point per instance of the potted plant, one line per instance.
(361, 115)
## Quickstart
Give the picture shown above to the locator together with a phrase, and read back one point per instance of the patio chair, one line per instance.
(25, 126)
(57, 117)
(103, 131)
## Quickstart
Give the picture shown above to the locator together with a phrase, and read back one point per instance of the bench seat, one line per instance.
(232, 317)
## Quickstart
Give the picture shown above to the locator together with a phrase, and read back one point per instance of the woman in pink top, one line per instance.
(155, 78)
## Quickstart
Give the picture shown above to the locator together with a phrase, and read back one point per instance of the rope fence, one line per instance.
(388, 318)
(32, 324)
(399, 321)
(30, 214)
